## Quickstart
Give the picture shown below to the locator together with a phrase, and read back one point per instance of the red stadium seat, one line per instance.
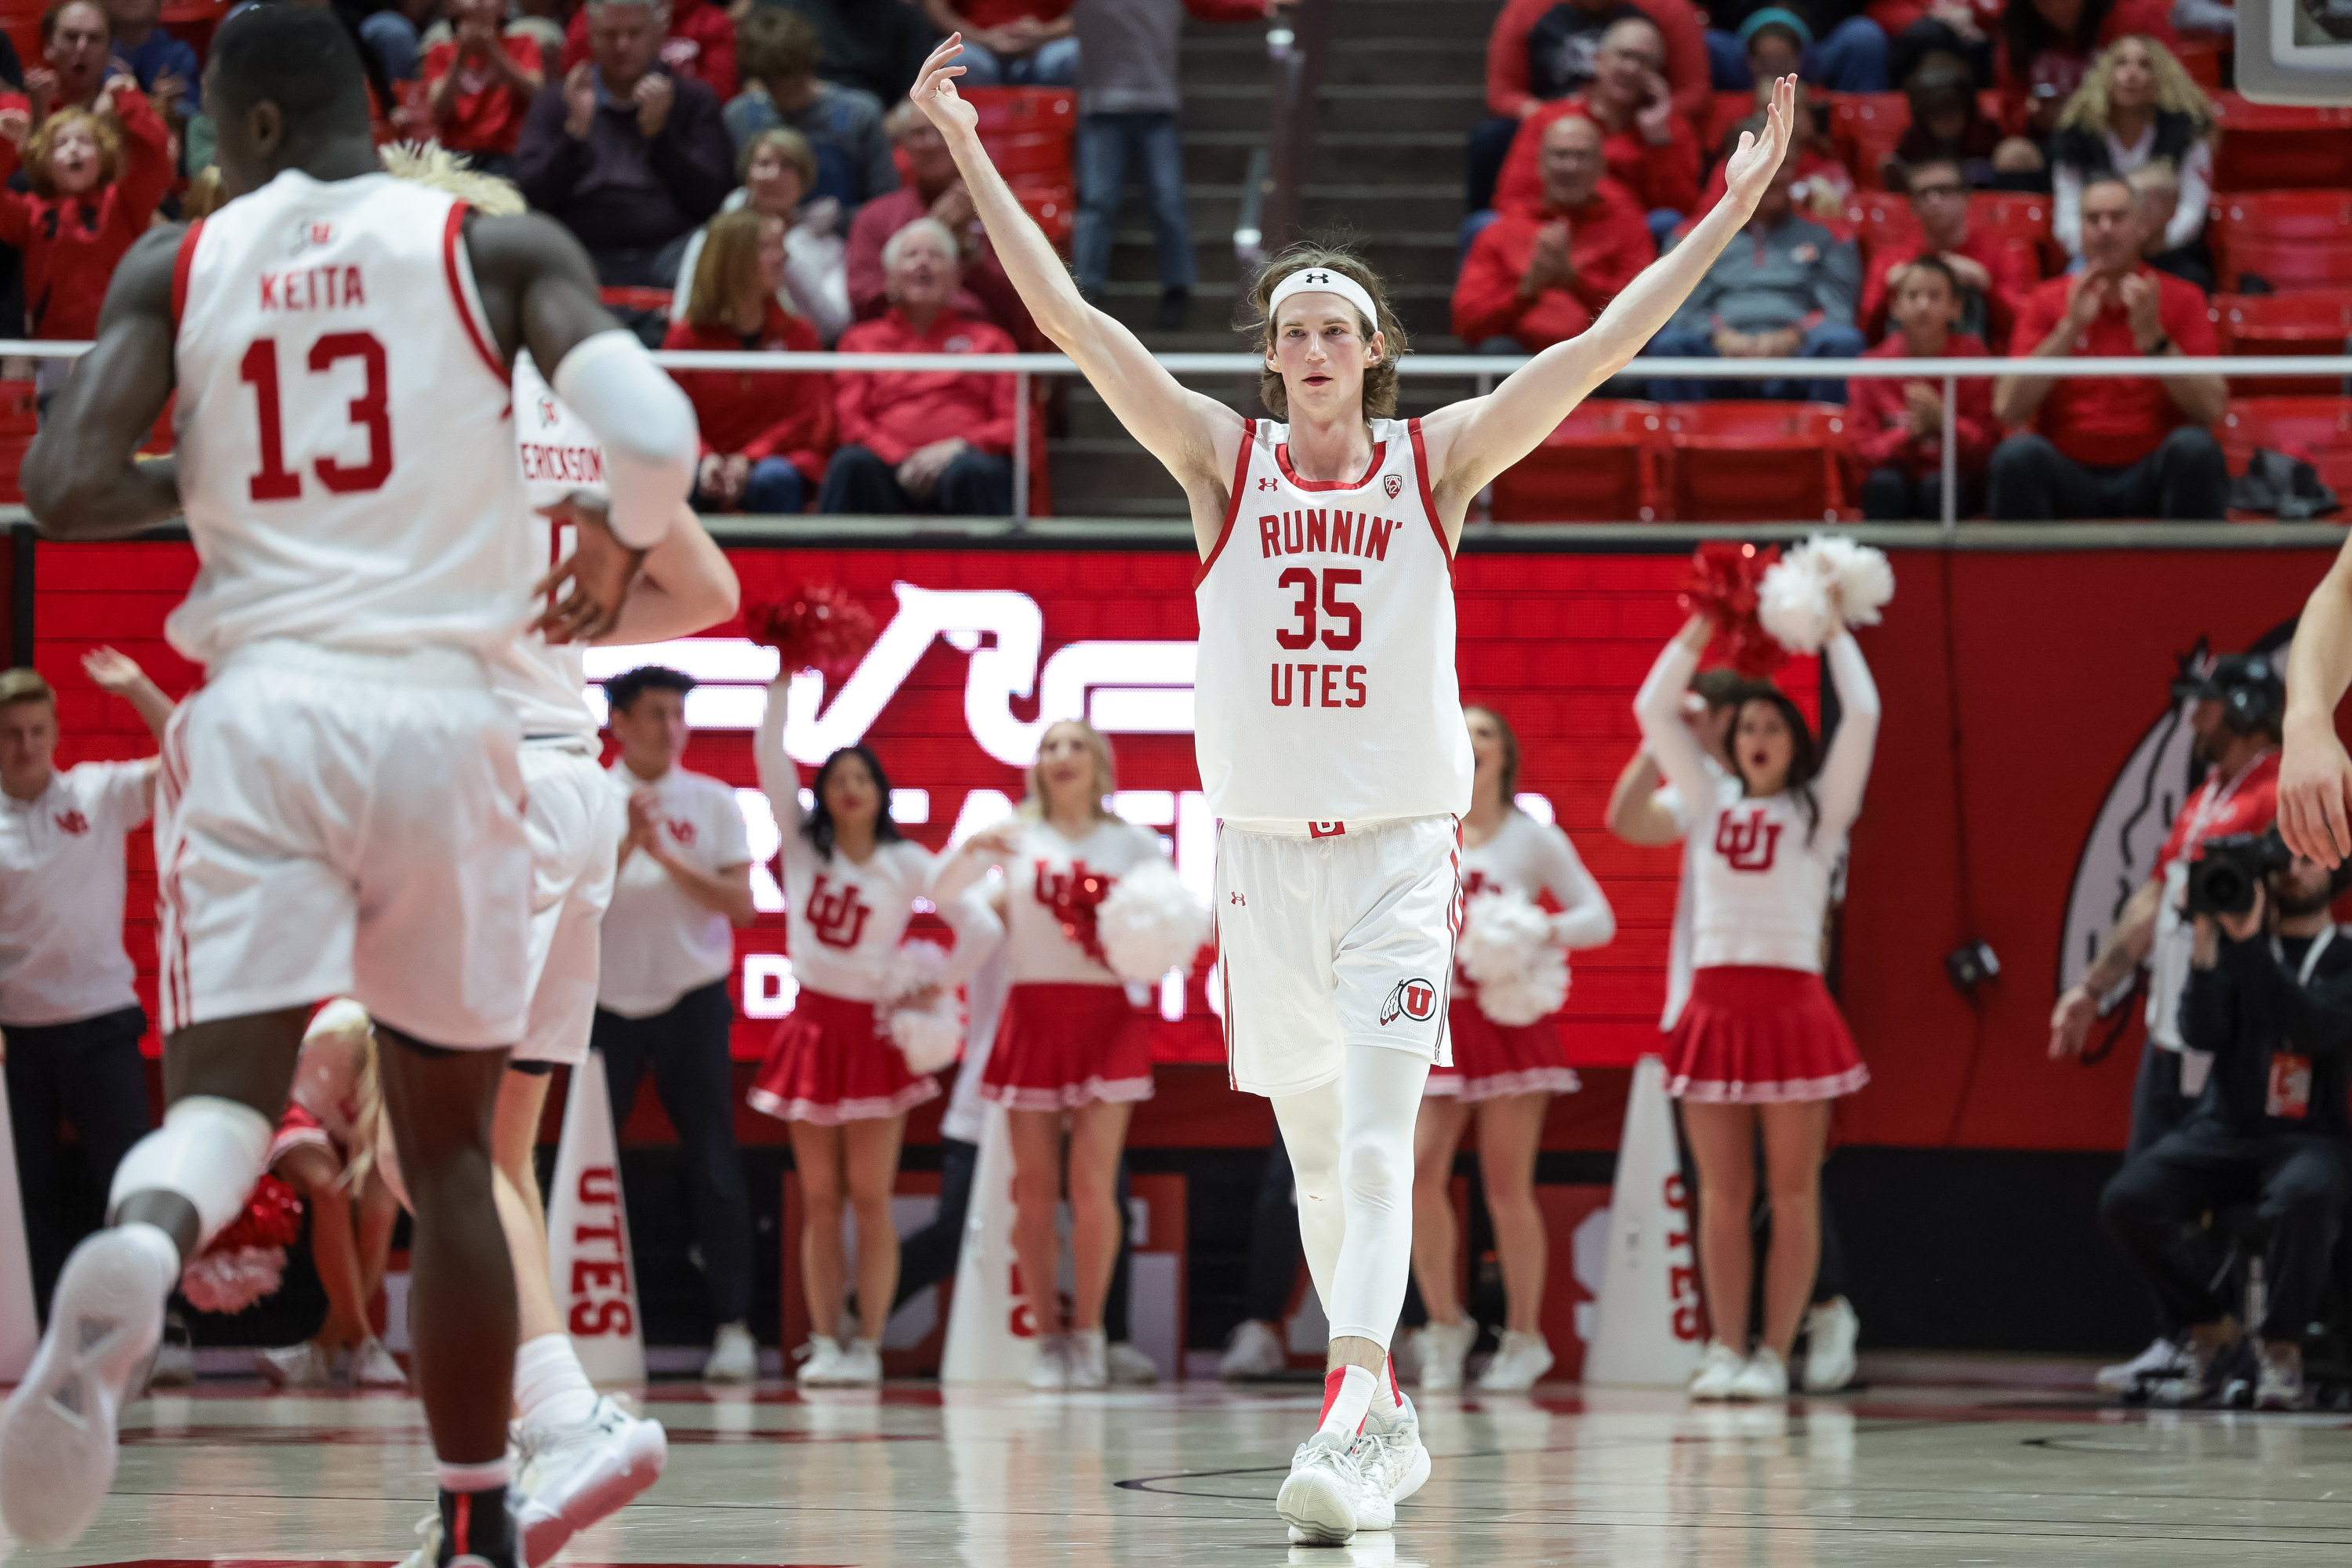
(1866, 126)
(1757, 461)
(2272, 147)
(21, 20)
(1883, 221)
(1055, 208)
(1602, 465)
(2203, 59)
(2316, 429)
(1725, 111)
(2289, 240)
(653, 301)
(19, 419)
(2314, 322)
(1007, 111)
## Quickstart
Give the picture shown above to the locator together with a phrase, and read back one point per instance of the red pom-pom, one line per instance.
(246, 1260)
(1722, 586)
(819, 626)
(272, 1218)
(1075, 901)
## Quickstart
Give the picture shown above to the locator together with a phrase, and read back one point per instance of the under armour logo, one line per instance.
(1238, 902)
(1265, 484)
(1319, 276)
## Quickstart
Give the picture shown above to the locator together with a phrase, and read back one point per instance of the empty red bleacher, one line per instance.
(1866, 126)
(2316, 429)
(2318, 321)
(19, 421)
(1028, 132)
(1738, 461)
(1604, 464)
(2274, 147)
(2289, 240)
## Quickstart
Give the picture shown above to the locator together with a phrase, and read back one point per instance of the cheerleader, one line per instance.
(1506, 1073)
(1071, 1043)
(1760, 1048)
(325, 1150)
(835, 1072)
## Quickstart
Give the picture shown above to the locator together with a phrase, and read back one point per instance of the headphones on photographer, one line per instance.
(2259, 702)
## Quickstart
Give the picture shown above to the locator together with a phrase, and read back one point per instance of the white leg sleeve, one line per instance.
(1379, 1101)
(208, 1150)
(1310, 1131)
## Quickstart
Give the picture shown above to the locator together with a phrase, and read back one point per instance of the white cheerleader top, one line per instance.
(1040, 950)
(1534, 857)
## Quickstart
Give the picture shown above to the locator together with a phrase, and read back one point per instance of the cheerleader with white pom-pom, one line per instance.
(1090, 905)
(859, 1048)
(1510, 977)
(1759, 1048)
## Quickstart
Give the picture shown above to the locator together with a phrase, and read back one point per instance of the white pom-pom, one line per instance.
(342, 1017)
(1794, 600)
(931, 1036)
(232, 1280)
(1149, 922)
(1506, 947)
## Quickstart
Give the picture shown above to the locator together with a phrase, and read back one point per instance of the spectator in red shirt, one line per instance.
(922, 440)
(933, 189)
(478, 86)
(77, 50)
(1544, 50)
(2103, 447)
(697, 43)
(1992, 279)
(1898, 426)
(1010, 43)
(1650, 151)
(96, 179)
(1534, 279)
(765, 435)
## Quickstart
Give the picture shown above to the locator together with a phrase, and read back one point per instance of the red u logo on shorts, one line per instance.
(1749, 844)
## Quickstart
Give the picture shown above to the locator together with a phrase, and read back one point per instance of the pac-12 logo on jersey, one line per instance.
(1394, 485)
(1414, 999)
(309, 235)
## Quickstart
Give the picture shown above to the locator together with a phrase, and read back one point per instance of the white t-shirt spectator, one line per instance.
(61, 891)
(658, 943)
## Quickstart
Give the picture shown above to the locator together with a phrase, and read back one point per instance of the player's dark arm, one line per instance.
(83, 477)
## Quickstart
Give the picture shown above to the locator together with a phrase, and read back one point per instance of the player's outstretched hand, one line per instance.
(2315, 795)
(1750, 167)
(599, 570)
(934, 89)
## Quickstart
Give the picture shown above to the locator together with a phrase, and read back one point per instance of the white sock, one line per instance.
(1346, 1401)
(551, 1389)
(1385, 1401)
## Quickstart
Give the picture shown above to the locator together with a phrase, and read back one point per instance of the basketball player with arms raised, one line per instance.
(1329, 728)
(341, 808)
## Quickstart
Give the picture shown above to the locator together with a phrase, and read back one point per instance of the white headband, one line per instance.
(1322, 280)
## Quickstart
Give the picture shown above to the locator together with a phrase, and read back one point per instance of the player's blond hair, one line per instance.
(1106, 769)
(431, 164)
(24, 684)
(1380, 376)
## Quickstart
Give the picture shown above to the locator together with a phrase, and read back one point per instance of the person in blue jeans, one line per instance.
(1788, 292)
(1036, 47)
(1843, 54)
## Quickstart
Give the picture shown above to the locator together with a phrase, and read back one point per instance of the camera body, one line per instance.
(2224, 879)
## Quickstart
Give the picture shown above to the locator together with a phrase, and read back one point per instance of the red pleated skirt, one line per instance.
(1060, 1046)
(1760, 1037)
(1493, 1061)
(828, 1066)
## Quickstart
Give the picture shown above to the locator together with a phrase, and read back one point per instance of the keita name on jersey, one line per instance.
(312, 288)
(1332, 532)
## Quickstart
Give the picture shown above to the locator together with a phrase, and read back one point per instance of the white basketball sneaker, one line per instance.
(1443, 1347)
(1129, 1367)
(1050, 1373)
(734, 1356)
(1719, 1368)
(859, 1365)
(2163, 1358)
(1830, 1331)
(1764, 1377)
(299, 1365)
(1390, 1449)
(58, 1435)
(372, 1366)
(820, 1361)
(1518, 1366)
(1330, 1494)
(1255, 1350)
(1088, 1356)
(585, 1473)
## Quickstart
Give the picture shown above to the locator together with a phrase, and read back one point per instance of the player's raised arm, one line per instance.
(83, 477)
(1181, 428)
(2315, 788)
(1472, 441)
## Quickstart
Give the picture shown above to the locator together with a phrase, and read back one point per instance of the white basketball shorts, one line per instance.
(333, 824)
(1331, 939)
(574, 819)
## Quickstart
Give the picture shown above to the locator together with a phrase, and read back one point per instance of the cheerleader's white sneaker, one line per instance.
(820, 1361)
(1718, 1367)
(1050, 1373)
(1443, 1347)
(1765, 1376)
(1518, 1366)
(859, 1366)
(1830, 1331)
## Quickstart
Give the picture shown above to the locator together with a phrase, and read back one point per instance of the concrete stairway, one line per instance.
(1405, 83)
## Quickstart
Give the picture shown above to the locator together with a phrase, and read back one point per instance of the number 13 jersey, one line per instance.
(1325, 690)
(346, 455)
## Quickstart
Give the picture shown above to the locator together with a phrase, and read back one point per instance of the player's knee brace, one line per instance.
(209, 1150)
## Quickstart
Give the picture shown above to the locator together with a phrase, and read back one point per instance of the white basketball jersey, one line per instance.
(1325, 690)
(345, 460)
(560, 459)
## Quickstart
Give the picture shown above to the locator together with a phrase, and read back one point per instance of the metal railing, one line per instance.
(1483, 369)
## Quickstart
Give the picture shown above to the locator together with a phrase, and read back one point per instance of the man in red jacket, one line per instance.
(922, 440)
(933, 189)
(1650, 149)
(2105, 447)
(1898, 425)
(1543, 50)
(698, 42)
(1991, 277)
(1534, 279)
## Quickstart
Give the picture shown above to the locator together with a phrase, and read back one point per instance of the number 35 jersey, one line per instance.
(1325, 690)
(346, 454)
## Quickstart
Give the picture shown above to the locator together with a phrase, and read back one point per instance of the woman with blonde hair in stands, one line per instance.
(1504, 1073)
(2137, 105)
(777, 169)
(1071, 1046)
(766, 434)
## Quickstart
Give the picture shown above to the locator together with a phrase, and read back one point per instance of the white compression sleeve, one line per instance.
(1350, 1147)
(208, 1150)
(645, 423)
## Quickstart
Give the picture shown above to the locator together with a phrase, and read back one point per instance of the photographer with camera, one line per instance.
(2269, 995)
(2235, 718)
